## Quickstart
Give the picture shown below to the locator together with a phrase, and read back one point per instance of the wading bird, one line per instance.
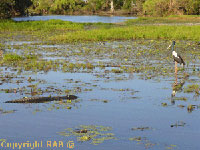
(177, 58)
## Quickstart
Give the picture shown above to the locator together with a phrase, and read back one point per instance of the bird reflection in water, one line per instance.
(176, 87)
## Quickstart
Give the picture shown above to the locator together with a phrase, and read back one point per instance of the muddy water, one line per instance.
(124, 101)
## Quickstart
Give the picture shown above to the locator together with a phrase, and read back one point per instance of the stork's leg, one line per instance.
(176, 71)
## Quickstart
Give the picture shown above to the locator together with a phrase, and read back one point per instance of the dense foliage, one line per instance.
(10, 8)
(167, 7)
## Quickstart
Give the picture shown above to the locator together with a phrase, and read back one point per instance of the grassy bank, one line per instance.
(170, 20)
(50, 25)
(132, 32)
(62, 31)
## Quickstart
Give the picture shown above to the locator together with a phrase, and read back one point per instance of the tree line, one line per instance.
(9, 8)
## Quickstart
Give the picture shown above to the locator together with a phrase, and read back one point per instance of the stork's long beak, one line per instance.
(169, 46)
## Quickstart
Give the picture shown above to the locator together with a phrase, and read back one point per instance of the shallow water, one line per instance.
(119, 100)
(83, 19)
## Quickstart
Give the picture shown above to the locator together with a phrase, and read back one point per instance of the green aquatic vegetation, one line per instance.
(93, 133)
(116, 71)
(30, 57)
(2, 111)
(164, 20)
(141, 128)
(77, 66)
(180, 98)
(181, 106)
(178, 124)
(126, 61)
(12, 57)
(142, 140)
(164, 104)
(40, 26)
(71, 66)
(36, 111)
(90, 66)
(190, 108)
(192, 88)
(172, 146)
(138, 139)
(177, 87)
(131, 32)
(100, 100)
(64, 104)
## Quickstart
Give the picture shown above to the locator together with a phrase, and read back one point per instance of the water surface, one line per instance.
(83, 19)
(119, 100)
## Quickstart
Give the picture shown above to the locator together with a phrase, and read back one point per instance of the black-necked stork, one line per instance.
(177, 57)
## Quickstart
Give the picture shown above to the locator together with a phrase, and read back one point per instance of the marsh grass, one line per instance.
(164, 20)
(12, 57)
(132, 32)
(43, 26)
(59, 31)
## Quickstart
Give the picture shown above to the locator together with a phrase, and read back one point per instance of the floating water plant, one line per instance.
(12, 57)
(178, 124)
(138, 139)
(93, 133)
(164, 104)
(6, 111)
(192, 88)
(116, 71)
(190, 108)
(180, 98)
(141, 128)
(142, 140)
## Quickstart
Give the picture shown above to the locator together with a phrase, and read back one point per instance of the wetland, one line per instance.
(122, 75)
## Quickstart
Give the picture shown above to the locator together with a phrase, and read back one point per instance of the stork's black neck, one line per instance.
(173, 45)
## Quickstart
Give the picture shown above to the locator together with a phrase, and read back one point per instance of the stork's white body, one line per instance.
(175, 54)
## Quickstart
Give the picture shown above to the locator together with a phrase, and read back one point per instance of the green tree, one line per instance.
(166, 7)
(21, 6)
(56, 6)
(6, 8)
(156, 7)
(128, 4)
(42, 6)
(139, 6)
(97, 5)
(9, 8)
(189, 6)
(62, 6)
